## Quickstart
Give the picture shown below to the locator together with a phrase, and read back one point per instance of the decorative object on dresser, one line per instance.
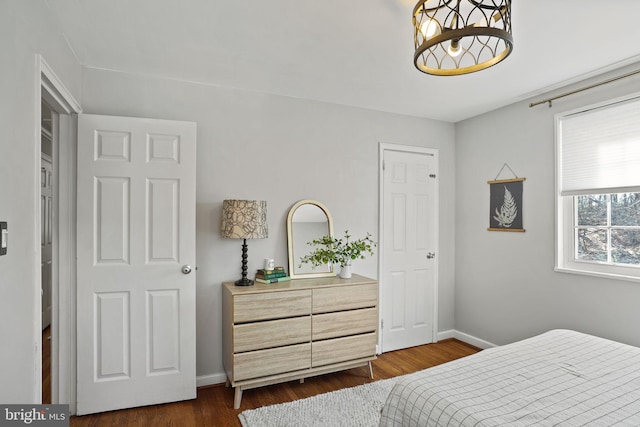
(275, 275)
(269, 264)
(335, 250)
(307, 220)
(244, 219)
(297, 329)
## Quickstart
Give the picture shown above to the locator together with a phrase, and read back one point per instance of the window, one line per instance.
(607, 229)
(598, 190)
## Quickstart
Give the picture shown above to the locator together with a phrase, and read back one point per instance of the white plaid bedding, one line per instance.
(559, 378)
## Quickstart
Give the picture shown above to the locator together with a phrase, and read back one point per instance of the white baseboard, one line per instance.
(213, 379)
(446, 334)
(469, 339)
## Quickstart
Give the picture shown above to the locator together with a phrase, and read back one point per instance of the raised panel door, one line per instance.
(136, 229)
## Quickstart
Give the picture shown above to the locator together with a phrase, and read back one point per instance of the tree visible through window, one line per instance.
(608, 228)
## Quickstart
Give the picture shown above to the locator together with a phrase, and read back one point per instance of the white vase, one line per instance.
(345, 272)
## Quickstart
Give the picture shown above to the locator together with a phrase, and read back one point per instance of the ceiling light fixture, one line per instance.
(454, 37)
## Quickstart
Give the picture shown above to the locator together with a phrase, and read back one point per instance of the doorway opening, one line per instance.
(55, 169)
(47, 141)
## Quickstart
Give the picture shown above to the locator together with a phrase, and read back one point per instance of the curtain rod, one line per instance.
(548, 100)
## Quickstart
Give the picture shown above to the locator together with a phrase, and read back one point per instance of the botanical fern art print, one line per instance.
(506, 205)
(508, 210)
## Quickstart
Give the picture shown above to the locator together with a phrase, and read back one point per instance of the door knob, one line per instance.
(186, 269)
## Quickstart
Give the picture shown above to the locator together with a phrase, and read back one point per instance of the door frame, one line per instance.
(50, 88)
(410, 149)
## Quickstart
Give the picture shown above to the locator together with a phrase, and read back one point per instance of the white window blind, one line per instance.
(600, 149)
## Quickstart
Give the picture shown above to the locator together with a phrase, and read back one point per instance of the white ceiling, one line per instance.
(350, 52)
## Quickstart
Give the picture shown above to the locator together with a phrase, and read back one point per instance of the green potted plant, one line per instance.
(339, 251)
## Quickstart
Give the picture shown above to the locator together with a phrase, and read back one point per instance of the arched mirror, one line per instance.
(307, 220)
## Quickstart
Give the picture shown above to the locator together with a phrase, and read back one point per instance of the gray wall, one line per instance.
(281, 150)
(506, 288)
(25, 32)
(250, 145)
(253, 145)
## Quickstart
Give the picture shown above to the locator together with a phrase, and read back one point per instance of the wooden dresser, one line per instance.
(293, 330)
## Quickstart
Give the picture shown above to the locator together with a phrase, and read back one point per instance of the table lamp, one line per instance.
(244, 219)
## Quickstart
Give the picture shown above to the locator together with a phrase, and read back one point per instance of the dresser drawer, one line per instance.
(343, 349)
(343, 323)
(262, 363)
(271, 305)
(272, 333)
(345, 298)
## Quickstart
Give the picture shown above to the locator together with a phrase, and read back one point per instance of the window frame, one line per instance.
(566, 216)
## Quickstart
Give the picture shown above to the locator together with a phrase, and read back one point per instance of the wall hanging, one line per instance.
(505, 203)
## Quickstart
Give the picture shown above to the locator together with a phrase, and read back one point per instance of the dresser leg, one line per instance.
(370, 370)
(238, 398)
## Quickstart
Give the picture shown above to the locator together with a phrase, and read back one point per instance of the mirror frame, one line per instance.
(292, 263)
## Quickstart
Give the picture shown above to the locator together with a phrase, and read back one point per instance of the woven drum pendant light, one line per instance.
(454, 37)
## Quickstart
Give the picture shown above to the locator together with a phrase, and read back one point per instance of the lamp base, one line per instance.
(244, 282)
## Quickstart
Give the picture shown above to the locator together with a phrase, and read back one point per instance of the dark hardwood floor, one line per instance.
(214, 404)
(46, 365)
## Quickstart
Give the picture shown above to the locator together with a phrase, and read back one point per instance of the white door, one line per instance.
(409, 273)
(46, 235)
(136, 234)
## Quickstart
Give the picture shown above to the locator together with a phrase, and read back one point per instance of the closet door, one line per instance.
(409, 268)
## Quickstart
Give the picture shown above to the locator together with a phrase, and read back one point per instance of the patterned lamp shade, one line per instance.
(244, 219)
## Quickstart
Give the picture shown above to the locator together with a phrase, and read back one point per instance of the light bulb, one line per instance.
(430, 28)
(454, 48)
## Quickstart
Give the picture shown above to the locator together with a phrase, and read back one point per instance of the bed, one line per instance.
(559, 378)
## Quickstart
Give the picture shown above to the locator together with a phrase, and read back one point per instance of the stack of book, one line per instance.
(278, 274)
